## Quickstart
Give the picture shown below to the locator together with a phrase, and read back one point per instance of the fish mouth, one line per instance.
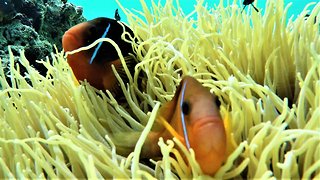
(209, 142)
(207, 121)
(209, 134)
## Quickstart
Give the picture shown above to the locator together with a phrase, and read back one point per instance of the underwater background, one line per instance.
(265, 72)
(101, 8)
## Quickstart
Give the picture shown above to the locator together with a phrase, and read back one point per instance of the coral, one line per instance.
(51, 127)
(31, 25)
(6, 10)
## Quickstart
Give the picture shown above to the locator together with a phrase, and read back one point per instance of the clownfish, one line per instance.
(248, 2)
(94, 64)
(193, 117)
(194, 114)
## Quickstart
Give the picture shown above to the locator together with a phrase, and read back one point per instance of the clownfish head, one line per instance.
(94, 64)
(194, 114)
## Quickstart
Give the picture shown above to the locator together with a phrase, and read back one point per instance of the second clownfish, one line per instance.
(94, 64)
(194, 116)
(194, 113)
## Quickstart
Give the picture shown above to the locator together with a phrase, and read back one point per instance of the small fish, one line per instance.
(94, 64)
(248, 2)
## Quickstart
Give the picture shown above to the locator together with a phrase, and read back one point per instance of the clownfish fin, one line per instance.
(170, 128)
(116, 15)
(231, 143)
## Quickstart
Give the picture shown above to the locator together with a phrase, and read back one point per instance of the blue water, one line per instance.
(106, 8)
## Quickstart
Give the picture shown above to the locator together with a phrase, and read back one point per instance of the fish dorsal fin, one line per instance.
(183, 122)
(116, 15)
(231, 143)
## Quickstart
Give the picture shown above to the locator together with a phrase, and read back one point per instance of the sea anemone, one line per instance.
(264, 68)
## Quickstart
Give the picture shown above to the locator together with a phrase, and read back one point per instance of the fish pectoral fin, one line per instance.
(170, 129)
(231, 143)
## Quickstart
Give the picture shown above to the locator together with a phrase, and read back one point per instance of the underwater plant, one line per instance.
(264, 70)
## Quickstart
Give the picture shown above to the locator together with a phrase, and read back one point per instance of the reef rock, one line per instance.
(34, 25)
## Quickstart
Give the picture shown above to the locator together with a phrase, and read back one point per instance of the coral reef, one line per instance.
(35, 26)
(6, 9)
(52, 127)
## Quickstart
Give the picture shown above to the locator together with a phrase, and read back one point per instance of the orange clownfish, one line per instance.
(94, 64)
(194, 114)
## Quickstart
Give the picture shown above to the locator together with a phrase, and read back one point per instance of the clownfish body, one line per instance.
(94, 64)
(194, 114)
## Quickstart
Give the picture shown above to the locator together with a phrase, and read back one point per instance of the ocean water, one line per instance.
(103, 8)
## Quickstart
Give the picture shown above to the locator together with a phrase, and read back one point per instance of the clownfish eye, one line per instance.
(217, 101)
(185, 108)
